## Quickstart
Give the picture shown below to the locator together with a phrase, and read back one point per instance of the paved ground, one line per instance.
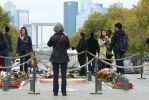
(82, 92)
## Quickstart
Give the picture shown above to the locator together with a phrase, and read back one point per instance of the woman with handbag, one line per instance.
(24, 46)
(59, 58)
(103, 42)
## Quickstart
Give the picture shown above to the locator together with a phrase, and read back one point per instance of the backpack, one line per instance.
(122, 43)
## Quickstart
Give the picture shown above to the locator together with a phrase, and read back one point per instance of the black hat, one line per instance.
(118, 25)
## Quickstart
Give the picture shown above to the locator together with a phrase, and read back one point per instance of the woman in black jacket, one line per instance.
(59, 57)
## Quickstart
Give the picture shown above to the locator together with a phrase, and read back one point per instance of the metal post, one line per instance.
(33, 80)
(4, 85)
(142, 57)
(98, 83)
(125, 82)
(89, 76)
(31, 85)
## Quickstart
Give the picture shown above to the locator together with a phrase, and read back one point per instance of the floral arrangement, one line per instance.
(15, 83)
(119, 85)
(47, 75)
(105, 74)
(20, 75)
(4, 75)
(6, 80)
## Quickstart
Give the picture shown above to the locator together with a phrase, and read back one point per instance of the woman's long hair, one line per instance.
(26, 33)
(101, 36)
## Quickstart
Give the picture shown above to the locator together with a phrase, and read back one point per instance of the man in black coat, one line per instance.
(81, 47)
(93, 48)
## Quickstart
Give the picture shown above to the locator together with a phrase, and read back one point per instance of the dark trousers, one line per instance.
(7, 60)
(22, 60)
(56, 76)
(101, 65)
(82, 60)
(91, 66)
(119, 55)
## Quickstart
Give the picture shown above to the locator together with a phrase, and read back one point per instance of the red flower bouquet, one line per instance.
(130, 86)
(119, 85)
(16, 83)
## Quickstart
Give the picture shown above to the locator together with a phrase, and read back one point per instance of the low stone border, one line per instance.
(69, 81)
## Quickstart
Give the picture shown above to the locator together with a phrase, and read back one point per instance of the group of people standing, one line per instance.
(59, 57)
(24, 46)
(103, 47)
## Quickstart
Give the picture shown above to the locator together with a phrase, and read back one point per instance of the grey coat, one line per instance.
(60, 44)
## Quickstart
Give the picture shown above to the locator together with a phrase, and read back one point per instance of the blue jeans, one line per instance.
(56, 76)
(22, 60)
(91, 66)
(119, 55)
(7, 60)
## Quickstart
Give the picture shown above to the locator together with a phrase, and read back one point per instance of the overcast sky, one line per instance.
(52, 10)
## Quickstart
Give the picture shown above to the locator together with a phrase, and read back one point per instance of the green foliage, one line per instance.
(5, 20)
(14, 36)
(135, 22)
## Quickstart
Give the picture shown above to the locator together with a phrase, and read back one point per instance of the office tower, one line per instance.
(70, 12)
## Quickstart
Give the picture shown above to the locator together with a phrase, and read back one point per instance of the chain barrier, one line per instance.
(117, 66)
(69, 70)
(118, 59)
(78, 68)
(16, 57)
(69, 54)
(2, 67)
(146, 53)
(102, 60)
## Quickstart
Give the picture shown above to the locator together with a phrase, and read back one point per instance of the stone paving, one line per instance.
(82, 92)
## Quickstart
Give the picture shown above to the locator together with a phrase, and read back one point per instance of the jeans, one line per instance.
(56, 76)
(22, 60)
(7, 60)
(91, 66)
(119, 55)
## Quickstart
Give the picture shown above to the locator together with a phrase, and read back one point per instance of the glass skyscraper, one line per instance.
(70, 12)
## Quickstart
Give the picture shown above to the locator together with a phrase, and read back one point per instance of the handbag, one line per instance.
(109, 55)
(54, 48)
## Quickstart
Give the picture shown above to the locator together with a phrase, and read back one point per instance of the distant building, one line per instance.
(22, 18)
(70, 12)
(84, 5)
(81, 18)
(87, 8)
(119, 4)
(40, 33)
(101, 8)
(18, 17)
(11, 9)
